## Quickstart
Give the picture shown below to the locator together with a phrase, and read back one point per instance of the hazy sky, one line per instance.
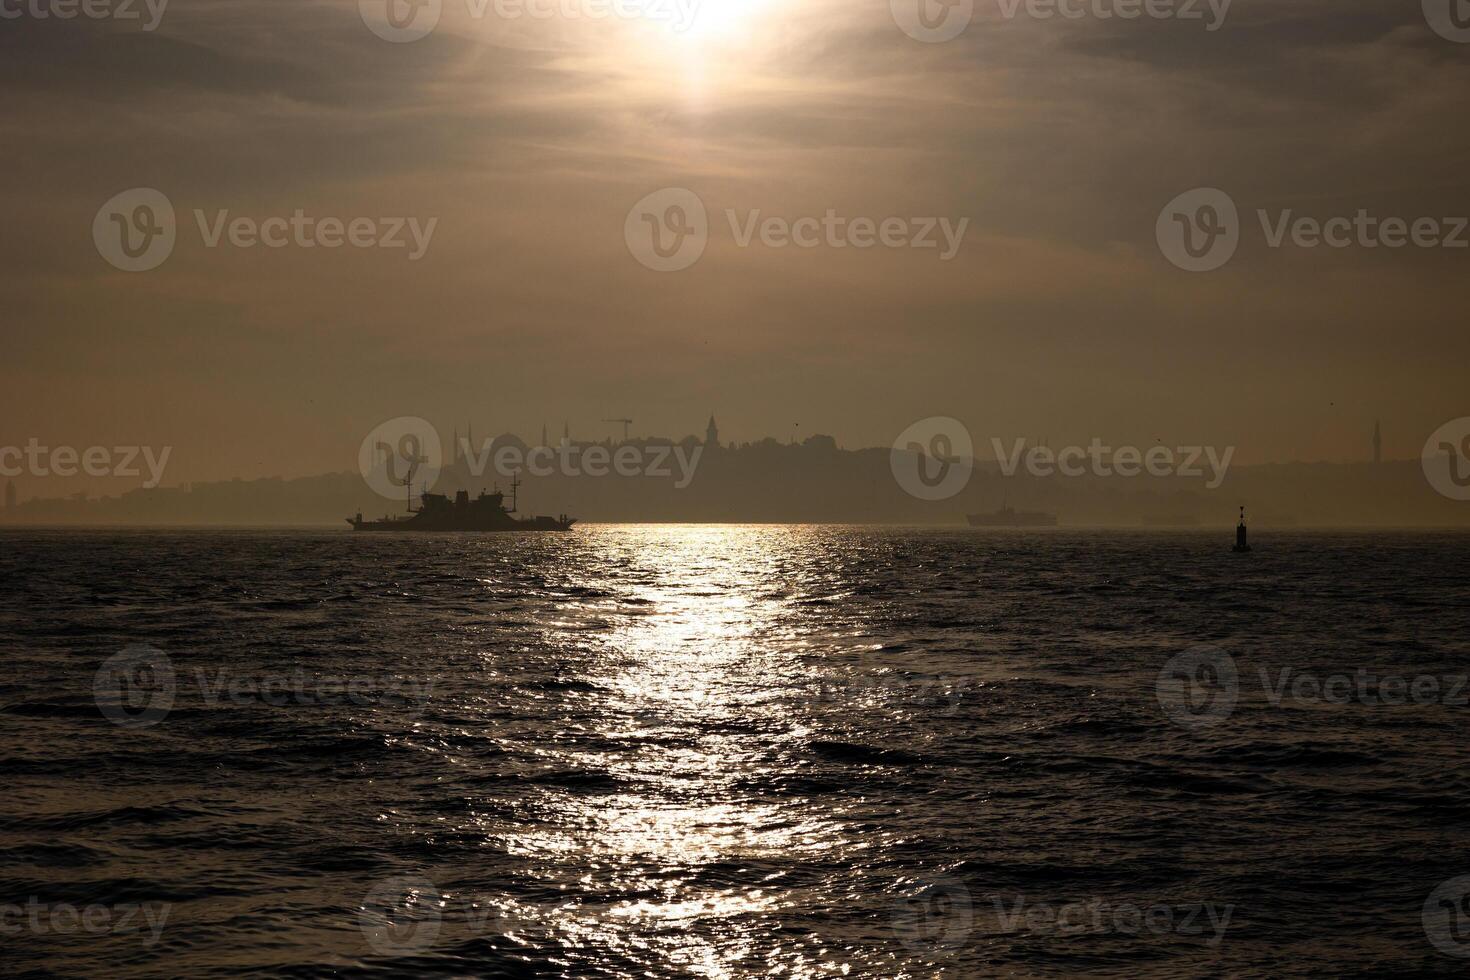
(529, 140)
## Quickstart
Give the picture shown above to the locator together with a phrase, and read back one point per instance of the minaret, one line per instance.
(1377, 443)
(711, 434)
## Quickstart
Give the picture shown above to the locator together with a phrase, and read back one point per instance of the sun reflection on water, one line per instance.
(693, 710)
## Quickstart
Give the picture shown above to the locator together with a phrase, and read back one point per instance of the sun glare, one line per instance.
(699, 21)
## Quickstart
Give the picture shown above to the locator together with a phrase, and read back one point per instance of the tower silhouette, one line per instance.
(711, 434)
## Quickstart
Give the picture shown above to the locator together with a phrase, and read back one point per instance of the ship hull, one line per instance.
(412, 524)
(440, 512)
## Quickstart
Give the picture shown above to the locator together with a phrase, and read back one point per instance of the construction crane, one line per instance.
(626, 423)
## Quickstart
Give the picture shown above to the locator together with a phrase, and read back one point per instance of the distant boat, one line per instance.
(487, 512)
(1009, 517)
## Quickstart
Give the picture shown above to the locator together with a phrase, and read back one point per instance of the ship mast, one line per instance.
(515, 484)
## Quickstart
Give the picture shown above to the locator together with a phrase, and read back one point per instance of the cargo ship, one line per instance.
(485, 512)
(1009, 517)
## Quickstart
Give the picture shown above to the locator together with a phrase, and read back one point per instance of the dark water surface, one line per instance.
(732, 752)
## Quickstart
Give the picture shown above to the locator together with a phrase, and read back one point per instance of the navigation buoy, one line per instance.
(1240, 542)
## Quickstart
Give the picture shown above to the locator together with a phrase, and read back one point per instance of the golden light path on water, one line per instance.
(693, 661)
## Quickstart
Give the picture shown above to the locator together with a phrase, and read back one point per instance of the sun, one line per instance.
(702, 21)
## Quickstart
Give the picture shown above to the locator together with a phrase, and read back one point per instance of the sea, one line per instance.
(639, 751)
